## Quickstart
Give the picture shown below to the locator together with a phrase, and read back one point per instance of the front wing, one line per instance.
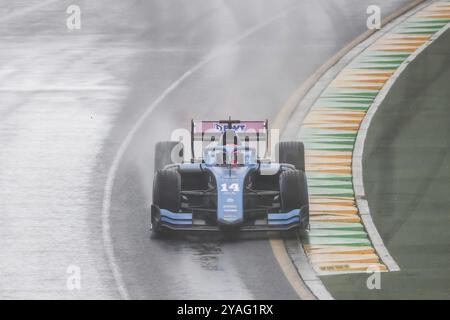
(163, 218)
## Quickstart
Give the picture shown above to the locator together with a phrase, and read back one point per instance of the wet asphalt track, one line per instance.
(69, 99)
(406, 176)
(251, 79)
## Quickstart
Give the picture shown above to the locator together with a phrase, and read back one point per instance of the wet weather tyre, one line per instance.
(155, 227)
(167, 190)
(292, 152)
(294, 194)
(163, 153)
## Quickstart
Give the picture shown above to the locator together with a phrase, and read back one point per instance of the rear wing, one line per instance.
(253, 134)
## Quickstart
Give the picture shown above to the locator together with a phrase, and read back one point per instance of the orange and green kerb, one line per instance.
(338, 242)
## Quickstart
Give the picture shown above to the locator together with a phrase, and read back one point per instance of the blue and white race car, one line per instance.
(228, 183)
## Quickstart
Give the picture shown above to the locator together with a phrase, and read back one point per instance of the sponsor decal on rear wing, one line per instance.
(222, 125)
(205, 133)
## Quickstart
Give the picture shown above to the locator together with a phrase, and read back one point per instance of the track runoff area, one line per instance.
(340, 241)
(406, 174)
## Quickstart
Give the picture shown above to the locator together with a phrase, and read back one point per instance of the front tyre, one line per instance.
(155, 228)
(167, 190)
(166, 195)
(294, 194)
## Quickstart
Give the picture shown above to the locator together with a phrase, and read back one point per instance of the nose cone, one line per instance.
(230, 220)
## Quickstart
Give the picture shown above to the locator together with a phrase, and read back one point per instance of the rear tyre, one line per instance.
(166, 152)
(292, 152)
(294, 194)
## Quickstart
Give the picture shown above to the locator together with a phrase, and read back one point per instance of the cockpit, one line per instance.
(231, 154)
(229, 142)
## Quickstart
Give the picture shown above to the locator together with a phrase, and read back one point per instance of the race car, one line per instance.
(229, 183)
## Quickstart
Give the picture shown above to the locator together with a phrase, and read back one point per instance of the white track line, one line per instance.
(106, 228)
(358, 151)
(309, 276)
(334, 67)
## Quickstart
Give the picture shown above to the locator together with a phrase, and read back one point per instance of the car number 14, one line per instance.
(234, 187)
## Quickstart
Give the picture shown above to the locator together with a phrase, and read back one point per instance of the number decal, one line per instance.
(234, 187)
